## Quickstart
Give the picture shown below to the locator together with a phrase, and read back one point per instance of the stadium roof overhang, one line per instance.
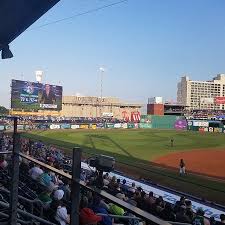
(17, 16)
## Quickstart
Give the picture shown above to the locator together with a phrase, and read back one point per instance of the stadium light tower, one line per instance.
(102, 70)
(39, 75)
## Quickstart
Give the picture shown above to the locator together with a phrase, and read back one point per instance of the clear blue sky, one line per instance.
(146, 45)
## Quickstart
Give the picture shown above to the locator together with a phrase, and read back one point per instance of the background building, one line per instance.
(97, 107)
(202, 94)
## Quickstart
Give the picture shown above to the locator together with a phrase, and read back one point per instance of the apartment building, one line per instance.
(201, 94)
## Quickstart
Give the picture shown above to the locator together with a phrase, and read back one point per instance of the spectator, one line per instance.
(132, 189)
(105, 180)
(66, 188)
(35, 172)
(124, 188)
(179, 203)
(199, 218)
(97, 208)
(167, 213)
(181, 215)
(222, 220)
(141, 202)
(114, 209)
(58, 195)
(3, 162)
(189, 211)
(46, 180)
(45, 197)
(157, 207)
(150, 201)
(87, 215)
(62, 215)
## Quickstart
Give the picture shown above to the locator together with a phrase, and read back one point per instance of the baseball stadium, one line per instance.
(101, 160)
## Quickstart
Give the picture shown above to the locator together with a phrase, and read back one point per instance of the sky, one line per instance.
(145, 47)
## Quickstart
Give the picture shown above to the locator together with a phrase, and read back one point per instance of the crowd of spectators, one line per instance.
(204, 114)
(53, 119)
(54, 191)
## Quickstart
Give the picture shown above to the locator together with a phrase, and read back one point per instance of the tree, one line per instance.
(3, 110)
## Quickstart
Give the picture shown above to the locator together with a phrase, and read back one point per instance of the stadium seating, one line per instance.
(48, 195)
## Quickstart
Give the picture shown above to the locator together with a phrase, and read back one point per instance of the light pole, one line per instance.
(102, 70)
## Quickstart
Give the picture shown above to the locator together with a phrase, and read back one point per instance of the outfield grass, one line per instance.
(140, 144)
(134, 149)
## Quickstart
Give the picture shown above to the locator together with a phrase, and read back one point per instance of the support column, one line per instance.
(15, 175)
(75, 193)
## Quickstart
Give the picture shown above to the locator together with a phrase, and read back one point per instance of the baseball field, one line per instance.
(148, 153)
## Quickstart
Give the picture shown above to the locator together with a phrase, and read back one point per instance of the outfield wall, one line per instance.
(146, 122)
(163, 122)
(206, 126)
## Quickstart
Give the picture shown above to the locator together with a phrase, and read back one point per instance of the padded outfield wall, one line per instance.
(163, 122)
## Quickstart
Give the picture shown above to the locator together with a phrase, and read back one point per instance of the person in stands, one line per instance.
(222, 220)
(182, 167)
(199, 218)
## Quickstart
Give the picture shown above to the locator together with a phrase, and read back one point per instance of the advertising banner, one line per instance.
(75, 126)
(100, 125)
(201, 129)
(145, 125)
(207, 100)
(206, 129)
(42, 126)
(94, 126)
(38, 96)
(124, 125)
(210, 129)
(8, 127)
(84, 126)
(218, 130)
(117, 125)
(2, 127)
(109, 125)
(107, 114)
(20, 127)
(27, 127)
(130, 125)
(219, 100)
(65, 126)
(180, 124)
(200, 123)
(54, 126)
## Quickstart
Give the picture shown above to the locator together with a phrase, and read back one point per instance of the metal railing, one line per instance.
(136, 211)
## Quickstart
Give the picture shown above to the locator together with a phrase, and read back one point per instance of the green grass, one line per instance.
(134, 149)
(140, 144)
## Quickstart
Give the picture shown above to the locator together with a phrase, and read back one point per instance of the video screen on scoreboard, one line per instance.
(35, 96)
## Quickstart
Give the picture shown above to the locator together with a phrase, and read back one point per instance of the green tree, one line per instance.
(3, 110)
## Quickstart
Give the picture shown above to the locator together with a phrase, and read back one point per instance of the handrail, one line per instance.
(178, 223)
(19, 220)
(21, 197)
(5, 152)
(119, 217)
(28, 214)
(111, 198)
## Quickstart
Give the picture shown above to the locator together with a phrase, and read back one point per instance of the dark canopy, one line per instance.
(17, 15)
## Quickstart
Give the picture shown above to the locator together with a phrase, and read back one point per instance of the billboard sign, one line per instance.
(219, 100)
(200, 123)
(35, 96)
(180, 124)
(207, 100)
(107, 114)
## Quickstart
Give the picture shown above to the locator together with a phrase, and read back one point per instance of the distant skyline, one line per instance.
(145, 46)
